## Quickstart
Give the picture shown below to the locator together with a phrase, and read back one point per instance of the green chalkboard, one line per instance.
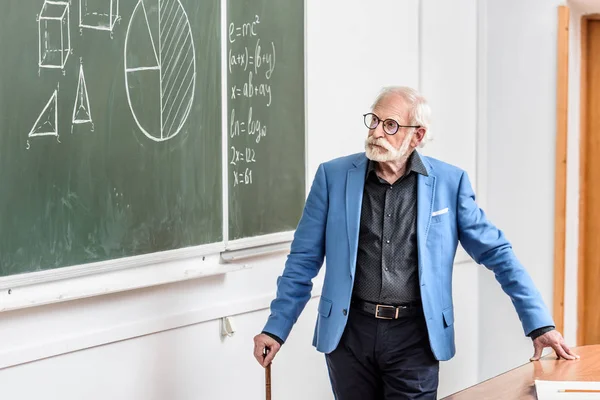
(98, 163)
(111, 135)
(266, 127)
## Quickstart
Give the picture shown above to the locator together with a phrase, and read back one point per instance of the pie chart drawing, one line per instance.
(160, 67)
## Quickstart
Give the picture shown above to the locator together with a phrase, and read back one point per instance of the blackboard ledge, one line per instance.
(127, 273)
(50, 275)
(259, 241)
(259, 251)
(257, 246)
(82, 281)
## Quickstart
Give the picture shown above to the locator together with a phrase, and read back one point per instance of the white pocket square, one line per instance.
(440, 212)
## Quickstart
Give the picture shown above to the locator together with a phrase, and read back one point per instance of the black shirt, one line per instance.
(386, 264)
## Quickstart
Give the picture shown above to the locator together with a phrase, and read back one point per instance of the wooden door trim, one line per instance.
(582, 175)
(560, 187)
(582, 185)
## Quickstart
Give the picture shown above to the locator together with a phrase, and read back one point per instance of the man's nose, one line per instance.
(379, 132)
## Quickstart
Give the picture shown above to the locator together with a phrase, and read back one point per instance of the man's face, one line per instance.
(382, 147)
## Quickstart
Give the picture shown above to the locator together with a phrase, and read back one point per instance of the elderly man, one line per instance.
(389, 221)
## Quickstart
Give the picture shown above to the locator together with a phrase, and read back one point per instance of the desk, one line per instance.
(519, 384)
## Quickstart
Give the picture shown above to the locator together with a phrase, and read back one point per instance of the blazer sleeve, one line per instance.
(304, 261)
(487, 245)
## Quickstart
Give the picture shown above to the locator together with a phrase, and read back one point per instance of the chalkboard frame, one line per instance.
(52, 285)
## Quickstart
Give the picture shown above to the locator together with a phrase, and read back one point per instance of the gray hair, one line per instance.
(419, 113)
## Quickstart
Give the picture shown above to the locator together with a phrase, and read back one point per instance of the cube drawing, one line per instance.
(98, 14)
(54, 34)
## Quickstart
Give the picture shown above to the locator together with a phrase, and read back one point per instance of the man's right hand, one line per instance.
(261, 342)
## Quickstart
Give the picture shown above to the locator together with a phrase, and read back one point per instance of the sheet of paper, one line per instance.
(551, 390)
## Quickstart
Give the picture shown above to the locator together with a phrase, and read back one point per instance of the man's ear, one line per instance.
(418, 136)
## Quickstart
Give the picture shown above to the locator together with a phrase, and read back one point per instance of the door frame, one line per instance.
(560, 187)
(583, 129)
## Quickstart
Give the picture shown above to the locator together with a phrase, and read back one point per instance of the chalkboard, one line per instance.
(98, 163)
(265, 66)
(113, 138)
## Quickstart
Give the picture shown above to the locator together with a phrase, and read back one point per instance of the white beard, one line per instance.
(388, 152)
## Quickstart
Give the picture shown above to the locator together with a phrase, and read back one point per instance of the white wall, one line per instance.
(520, 114)
(186, 363)
(163, 342)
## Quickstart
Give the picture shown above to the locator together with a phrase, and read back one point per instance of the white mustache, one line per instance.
(390, 153)
(381, 143)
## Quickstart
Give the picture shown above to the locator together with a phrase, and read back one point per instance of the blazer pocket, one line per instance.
(324, 307)
(436, 219)
(448, 314)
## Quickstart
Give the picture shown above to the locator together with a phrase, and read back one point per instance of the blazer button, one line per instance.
(344, 311)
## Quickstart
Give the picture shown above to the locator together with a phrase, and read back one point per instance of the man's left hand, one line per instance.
(555, 340)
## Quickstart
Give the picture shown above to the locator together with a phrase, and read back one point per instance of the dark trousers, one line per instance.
(383, 359)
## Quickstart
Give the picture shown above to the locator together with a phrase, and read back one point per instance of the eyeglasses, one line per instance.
(390, 126)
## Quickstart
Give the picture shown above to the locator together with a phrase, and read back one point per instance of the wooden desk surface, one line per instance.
(519, 384)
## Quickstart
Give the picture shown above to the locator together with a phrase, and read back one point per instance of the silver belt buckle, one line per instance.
(382, 306)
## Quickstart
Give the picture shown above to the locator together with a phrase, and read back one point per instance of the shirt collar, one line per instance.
(414, 163)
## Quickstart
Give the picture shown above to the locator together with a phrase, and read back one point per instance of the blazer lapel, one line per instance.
(355, 183)
(425, 195)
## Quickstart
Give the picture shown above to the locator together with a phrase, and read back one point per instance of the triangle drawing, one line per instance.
(152, 11)
(152, 36)
(81, 109)
(142, 54)
(47, 122)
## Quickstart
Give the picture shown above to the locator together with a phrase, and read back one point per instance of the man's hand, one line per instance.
(261, 342)
(555, 340)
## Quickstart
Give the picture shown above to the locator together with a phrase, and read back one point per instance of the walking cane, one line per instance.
(267, 375)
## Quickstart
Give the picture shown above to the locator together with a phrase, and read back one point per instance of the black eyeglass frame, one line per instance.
(379, 120)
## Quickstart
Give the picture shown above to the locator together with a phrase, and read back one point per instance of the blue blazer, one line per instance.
(446, 214)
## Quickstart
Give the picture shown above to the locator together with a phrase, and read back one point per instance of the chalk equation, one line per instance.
(251, 89)
(256, 61)
(242, 177)
(251, 64)
(239, 156)
(250, 127)
(244, 30)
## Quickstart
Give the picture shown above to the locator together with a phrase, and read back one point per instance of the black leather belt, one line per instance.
(383, 311)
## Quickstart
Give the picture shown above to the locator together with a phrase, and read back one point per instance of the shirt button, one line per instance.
(387, 241)
(387, 269)
(389, 215)
(344, 311)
